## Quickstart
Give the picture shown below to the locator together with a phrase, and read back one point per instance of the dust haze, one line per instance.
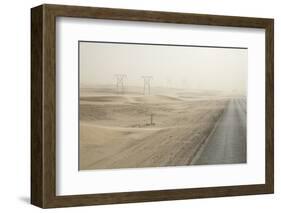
(158, 105)
(222, 69)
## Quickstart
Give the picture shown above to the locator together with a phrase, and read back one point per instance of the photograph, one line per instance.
(161, 105)
(139, 105)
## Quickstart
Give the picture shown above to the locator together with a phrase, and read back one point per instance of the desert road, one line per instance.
(227, 142)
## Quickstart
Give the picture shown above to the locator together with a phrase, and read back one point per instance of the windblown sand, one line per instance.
(116, 130)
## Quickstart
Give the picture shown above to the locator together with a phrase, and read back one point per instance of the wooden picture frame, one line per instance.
(43, 105)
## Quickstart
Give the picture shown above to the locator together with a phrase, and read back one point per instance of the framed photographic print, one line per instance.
(136, 106)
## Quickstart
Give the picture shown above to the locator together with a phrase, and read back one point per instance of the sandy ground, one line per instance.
(116, 129)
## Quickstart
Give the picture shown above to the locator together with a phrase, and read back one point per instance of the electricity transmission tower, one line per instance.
(184, 83)
(146, 84)
(120, 82)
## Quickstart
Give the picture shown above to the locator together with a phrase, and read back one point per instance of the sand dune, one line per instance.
(116, 130)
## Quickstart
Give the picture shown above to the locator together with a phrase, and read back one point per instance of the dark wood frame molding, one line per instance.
(43, 105)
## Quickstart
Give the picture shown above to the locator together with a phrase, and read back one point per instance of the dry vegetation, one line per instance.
(116, 130)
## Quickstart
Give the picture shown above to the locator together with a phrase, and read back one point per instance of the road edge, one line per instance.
(202, 145)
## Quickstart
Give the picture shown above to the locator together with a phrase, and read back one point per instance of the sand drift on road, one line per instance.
(131, 130)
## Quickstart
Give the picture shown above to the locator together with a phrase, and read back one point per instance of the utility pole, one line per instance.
(120, 82)
(146, 84)
(151, 119)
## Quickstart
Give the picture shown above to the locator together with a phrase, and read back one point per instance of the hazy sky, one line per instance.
(171, 66)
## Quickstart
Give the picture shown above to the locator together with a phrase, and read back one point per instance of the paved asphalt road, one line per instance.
(227, 142)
